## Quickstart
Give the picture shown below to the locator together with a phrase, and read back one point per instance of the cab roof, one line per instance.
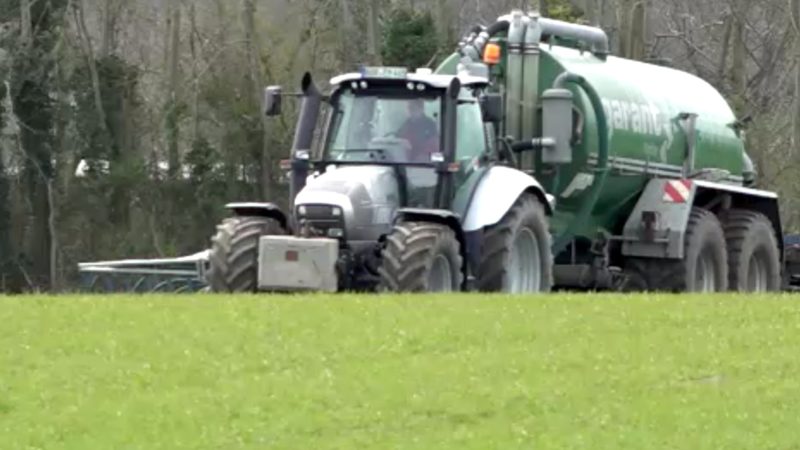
(433, 80)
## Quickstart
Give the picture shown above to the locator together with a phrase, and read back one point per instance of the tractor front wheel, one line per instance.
(233, 259)
(421, 257)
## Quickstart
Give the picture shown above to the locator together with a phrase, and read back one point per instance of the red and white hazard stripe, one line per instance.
(677, 191)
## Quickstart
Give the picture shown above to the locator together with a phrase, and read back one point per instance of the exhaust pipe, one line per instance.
(444, 188)
(304, 136)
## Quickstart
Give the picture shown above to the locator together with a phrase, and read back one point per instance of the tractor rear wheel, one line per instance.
(753, 255)
(516, 256)
(233, 259)
(704, 267)
(421, 257)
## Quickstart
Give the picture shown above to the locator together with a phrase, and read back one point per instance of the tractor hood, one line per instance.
(367, 198)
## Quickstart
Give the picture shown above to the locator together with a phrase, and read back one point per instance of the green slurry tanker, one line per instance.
(530, 159)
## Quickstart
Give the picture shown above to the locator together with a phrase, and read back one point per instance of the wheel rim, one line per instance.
(440, 278)
(705, 280)
(757, 274)
(525, 264)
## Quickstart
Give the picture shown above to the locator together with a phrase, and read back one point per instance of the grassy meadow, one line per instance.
(564, 371)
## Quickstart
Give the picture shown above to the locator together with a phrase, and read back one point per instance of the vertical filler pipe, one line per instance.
(514, 74)
(530, 84)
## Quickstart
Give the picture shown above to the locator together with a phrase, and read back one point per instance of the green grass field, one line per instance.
(353, 372)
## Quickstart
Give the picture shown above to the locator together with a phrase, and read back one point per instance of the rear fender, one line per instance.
(656, 227)
(497, 192)
(257, 209)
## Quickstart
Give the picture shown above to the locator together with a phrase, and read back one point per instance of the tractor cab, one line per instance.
(428, 130)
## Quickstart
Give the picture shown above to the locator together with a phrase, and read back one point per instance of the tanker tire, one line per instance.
(415, 253)
(704, 238)
(527, 215)
(233, 260)
(751, 239)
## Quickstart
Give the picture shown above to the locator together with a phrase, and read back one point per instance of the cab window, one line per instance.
(470, 138)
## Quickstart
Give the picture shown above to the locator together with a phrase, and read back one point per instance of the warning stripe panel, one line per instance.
(677, 191)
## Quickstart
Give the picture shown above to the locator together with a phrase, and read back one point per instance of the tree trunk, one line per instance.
(739, 67)
(544, 8)
(444, 22)
(632, 18)
(373, 33)
(172, 113)
(6, 247)
(254, 77)
(591, 14)
(88, 52)
(109, 28)
(722, 66)
(32, 106)
(195, 74)
(25, 22)
(795, 16)
(346, 38)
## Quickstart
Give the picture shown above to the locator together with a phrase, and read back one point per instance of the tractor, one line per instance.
(408, 189)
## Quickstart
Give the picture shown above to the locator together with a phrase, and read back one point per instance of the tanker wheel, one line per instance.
(704, 267)
(421, 257)
(233, 259)
(753, 255)
(516, 256)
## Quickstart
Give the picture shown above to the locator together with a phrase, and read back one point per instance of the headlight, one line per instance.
(336, 211)
(301, 210)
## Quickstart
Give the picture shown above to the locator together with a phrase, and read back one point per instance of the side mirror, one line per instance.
(272, 101)
(492, 107)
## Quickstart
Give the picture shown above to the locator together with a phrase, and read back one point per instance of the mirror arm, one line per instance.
(508, 152)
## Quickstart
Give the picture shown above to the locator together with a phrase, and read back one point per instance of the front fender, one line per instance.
(497, 192)
(259, 209)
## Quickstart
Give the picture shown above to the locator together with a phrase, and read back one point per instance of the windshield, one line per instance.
(401, 126)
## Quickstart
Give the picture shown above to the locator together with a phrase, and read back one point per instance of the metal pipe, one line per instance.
(514, 75)
(689, 124)
(304, 136)
(596, 37)
(529, 90)
(600, 172)
(449, 136)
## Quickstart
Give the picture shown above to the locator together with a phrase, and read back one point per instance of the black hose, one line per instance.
(501, 25)
(473, 46)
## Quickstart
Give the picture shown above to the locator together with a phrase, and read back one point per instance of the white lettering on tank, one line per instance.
(639, 118)
(639, 124)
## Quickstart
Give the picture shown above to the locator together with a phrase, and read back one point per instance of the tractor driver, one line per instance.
(420, 131)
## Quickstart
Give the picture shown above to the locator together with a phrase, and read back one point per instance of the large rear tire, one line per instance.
(704, 267)
(516, 255)
(754, 259)
(233, 259)
(421, 257)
